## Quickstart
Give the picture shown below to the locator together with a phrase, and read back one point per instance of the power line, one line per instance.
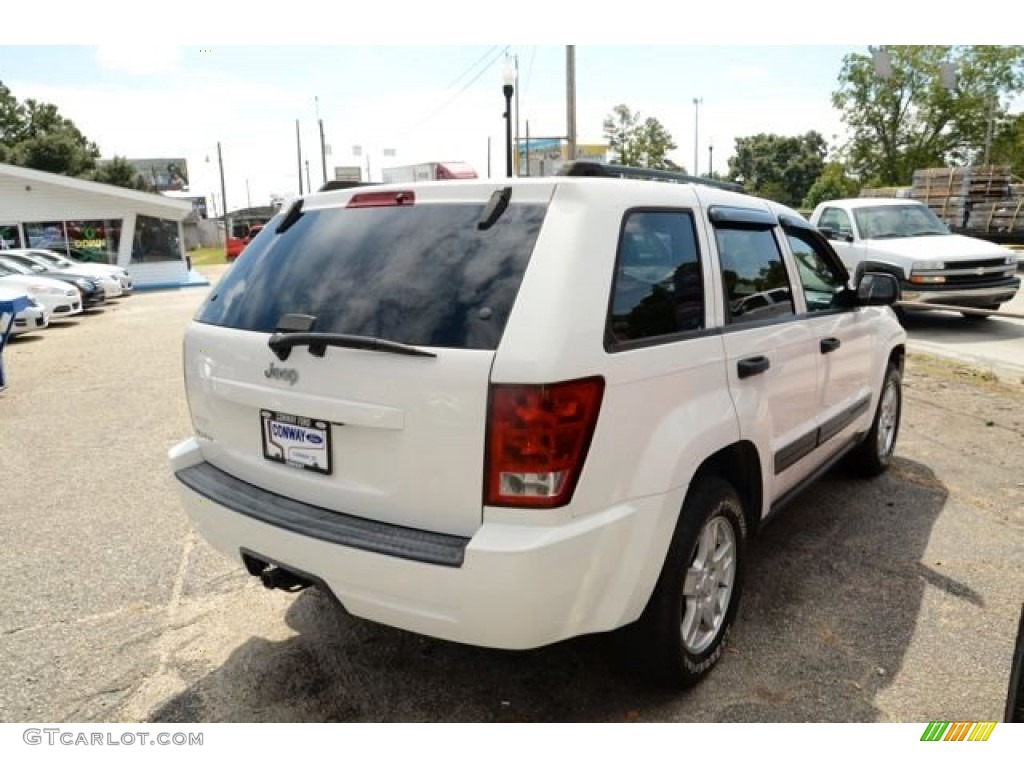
(446, 103)
(529, 70)
(471, 67)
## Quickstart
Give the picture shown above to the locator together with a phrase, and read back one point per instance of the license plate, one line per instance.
(297, 441)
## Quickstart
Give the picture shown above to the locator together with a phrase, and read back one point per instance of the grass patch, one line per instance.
(953, 370)
(207, 257)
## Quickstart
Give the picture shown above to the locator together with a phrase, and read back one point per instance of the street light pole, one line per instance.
(509, 76)
(696, 114)
(711, 151)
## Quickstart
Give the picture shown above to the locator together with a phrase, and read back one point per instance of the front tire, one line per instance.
(874, 455)
(684, 628)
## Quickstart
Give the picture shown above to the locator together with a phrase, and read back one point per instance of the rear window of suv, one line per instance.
(424, 275)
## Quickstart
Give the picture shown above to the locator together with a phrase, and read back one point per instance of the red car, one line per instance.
(236, 244)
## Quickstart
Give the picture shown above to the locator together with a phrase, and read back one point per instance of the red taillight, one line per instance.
(381, 199)
(537, 441)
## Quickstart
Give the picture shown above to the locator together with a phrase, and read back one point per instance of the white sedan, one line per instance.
(59, 298)
(58, 260)
(34, 317)
(111, 285)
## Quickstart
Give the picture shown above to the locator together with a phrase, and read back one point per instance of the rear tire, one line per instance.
(683, 631)
(874, 454)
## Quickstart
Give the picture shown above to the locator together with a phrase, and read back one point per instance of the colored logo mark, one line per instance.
(938, 730)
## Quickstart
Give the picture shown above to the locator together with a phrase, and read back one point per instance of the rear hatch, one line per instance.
(386, 306)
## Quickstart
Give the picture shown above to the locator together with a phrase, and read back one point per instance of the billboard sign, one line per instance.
(348, 173)
(164, 174)
(545, 156)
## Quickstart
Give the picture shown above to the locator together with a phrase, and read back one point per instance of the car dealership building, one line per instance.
(140, 231)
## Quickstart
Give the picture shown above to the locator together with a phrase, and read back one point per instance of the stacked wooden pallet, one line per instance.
(998, 216)
(953, 193)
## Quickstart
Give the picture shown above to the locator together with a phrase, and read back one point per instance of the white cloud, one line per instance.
(135, 59)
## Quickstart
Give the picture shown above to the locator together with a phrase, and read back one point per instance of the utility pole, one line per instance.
(298, 147)
(518, 159)
(696, 114)
(223, 197)
(988, 129)
(711, 150)
(570, 100)
(527, 147)
(309, 187)
(248, 197)
(323, 144)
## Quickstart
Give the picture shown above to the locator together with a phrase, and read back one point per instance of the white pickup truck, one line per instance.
(906, 239)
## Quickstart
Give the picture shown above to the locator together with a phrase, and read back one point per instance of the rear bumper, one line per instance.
(508, 586)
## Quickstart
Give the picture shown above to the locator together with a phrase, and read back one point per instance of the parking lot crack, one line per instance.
(164, 680)
(139, 609)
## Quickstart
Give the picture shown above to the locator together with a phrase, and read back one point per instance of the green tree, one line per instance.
(833, 184)
(932, 108)
(632, 142)
(1008, 144)
(12, 118)
(655, 143)
(780, 168)
(36, 135)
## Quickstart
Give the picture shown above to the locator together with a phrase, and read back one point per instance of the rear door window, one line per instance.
(420, 274)
(658, 291)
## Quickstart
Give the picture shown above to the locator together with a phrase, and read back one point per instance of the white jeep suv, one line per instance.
(509, 412)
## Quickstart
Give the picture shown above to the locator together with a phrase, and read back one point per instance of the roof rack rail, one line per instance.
(589, 168)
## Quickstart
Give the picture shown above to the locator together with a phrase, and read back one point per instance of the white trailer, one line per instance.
(429, 172)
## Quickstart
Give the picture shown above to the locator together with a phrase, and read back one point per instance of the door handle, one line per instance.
(829, 345)
(751, 366)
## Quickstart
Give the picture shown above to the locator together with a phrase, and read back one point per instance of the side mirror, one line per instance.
(877, 289)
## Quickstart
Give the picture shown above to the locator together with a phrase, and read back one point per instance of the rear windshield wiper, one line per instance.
(282, 343)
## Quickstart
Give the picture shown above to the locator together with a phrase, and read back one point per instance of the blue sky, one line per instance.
(153, 95)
